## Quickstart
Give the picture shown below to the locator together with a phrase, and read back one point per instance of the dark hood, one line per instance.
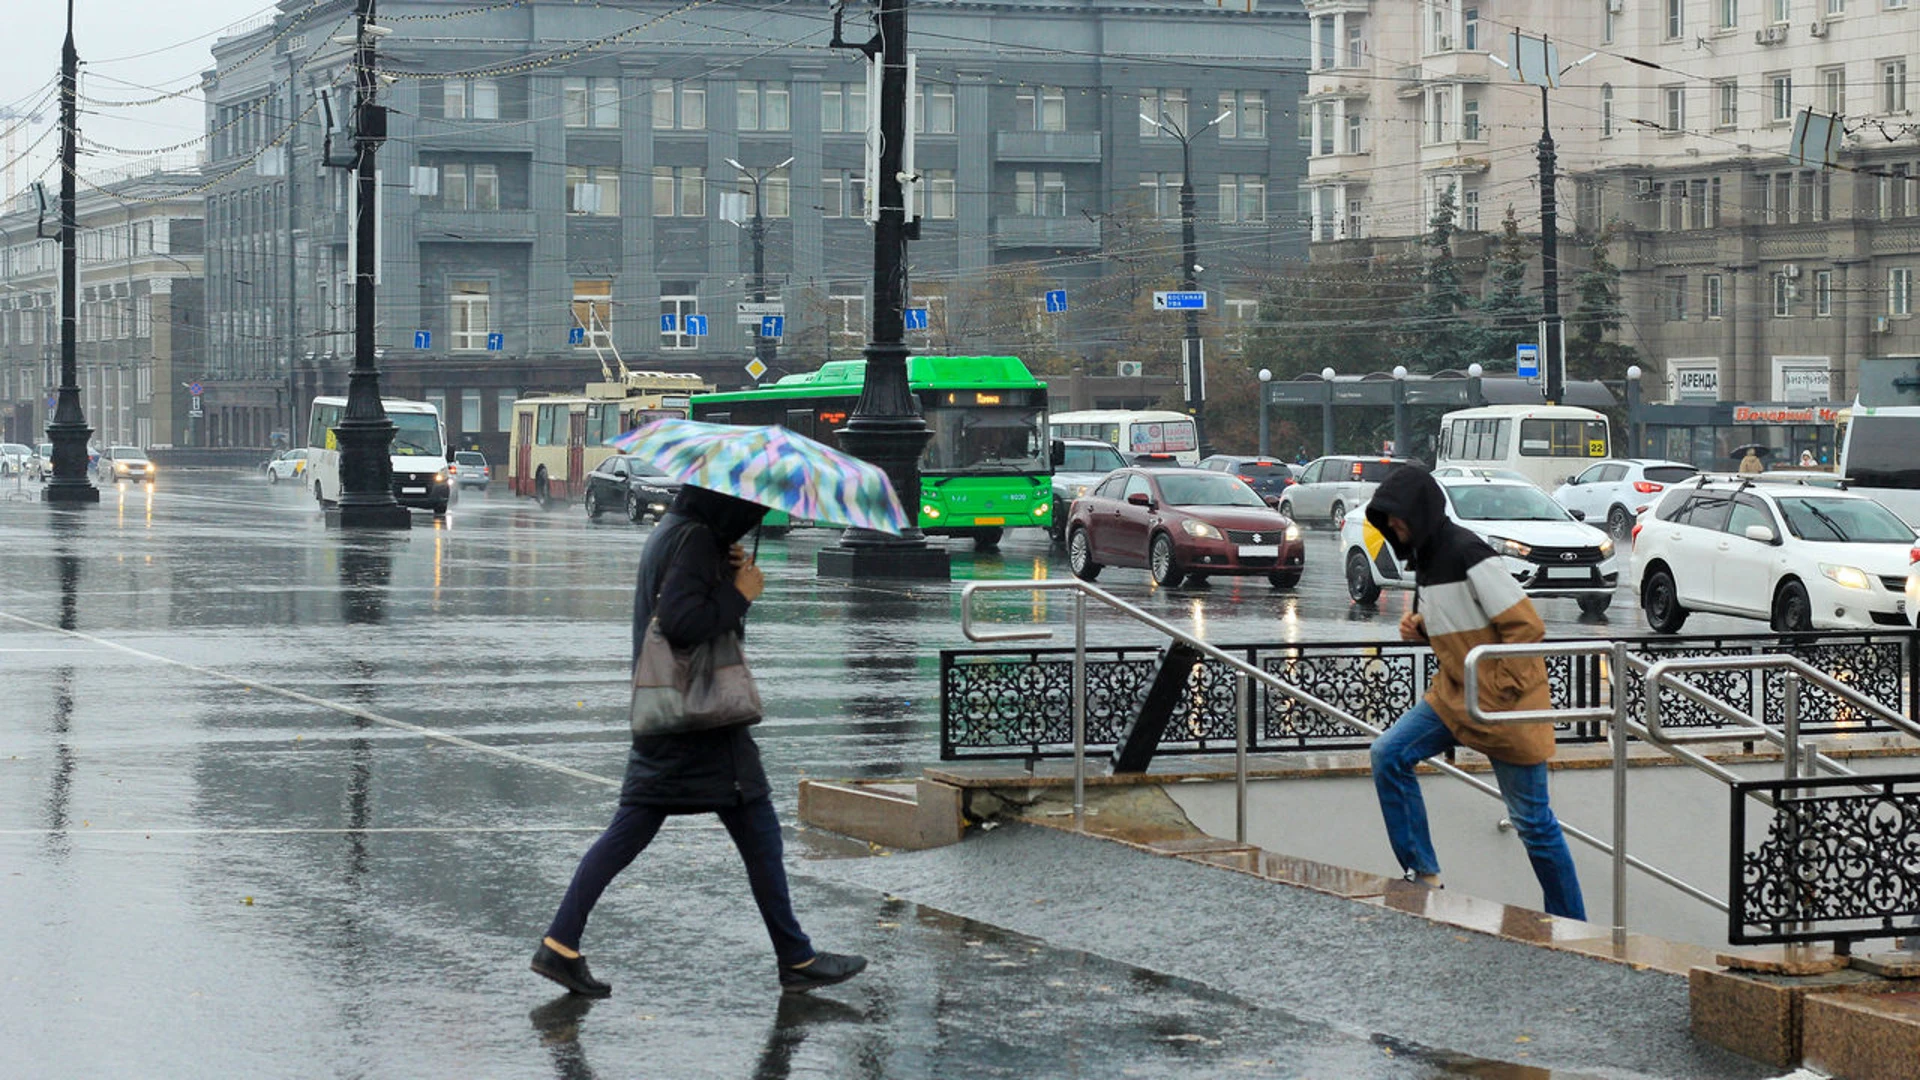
(1411, 494)
(728, 518)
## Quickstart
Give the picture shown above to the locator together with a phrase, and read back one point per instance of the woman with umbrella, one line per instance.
(1750, 455)
(699, 582)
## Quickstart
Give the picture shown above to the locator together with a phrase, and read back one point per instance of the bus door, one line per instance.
(576, 451)
(523, 452)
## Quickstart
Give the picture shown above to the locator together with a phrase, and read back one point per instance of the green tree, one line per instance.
(1437, 333)
(1510, 310)
(1597, 314)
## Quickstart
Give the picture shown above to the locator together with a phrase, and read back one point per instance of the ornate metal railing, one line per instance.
(1839, 861)
(1017, 703)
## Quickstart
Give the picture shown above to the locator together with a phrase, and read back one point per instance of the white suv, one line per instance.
(1801, 557)
(1619, 489)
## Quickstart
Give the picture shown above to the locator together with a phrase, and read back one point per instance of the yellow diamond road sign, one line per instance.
(755, 368)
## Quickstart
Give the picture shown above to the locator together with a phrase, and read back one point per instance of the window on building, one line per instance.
(1162, 193)
(469, 316)
(940, 194)
(1893, 85)
(590, 103)
(469, 187)
(1245, 112)
(842, 194)
(1729, 14)
(681, 106)
(1900, 291)
(469, 99)
(843, 108)
(1675, 100)
(593, 312)
(1780, 98)
(1040, 108)
(1782, 295)
(1470, 119)
(1896, 190)
(1726, 100)
(679, 191)
(1243, 198)
(1324, 54)
(1351, 226)
(1675, 290)
(1606, 110)
(1781, 10)
(1833, 90)
(1470, 210)
(1608, 17)
(764, 106)
(503, 409)
(1356, 43)
(593, 190)
(936, 110)
(678, 299)
(847, 317)
(1039, 194)
(776, 194)
(1710, 296)
(1439, 114)
(1823, 293)
(1676, 19)
(1470, 29)
(1355, 143)
(1323, 125)
(469, 411)
(1167, 105)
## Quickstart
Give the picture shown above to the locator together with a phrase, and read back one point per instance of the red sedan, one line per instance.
(1182, 524)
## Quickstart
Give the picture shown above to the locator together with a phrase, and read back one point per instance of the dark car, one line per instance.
(630, 482)
(1265, 475)
(1182, 524)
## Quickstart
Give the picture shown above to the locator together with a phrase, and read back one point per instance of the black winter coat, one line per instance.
(705, 770)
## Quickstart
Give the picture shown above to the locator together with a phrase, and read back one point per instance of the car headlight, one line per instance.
(1847, 577)
(1606, 549)
(1080, 490)
(1200, 529)
(119, 466)
(1293, 533)
(439, 476)
(1513, 548)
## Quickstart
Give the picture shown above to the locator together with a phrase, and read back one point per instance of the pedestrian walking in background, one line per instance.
(699, 582)
(1806, 460)
(1465, 597)
(1752, 463)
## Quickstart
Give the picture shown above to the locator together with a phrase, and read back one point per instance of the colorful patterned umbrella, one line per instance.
(771, 466)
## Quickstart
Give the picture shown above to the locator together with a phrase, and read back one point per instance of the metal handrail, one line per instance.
(1250, 672)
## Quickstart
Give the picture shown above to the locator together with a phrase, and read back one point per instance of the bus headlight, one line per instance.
(1200, 529)
(1043, 509)
(932, 512)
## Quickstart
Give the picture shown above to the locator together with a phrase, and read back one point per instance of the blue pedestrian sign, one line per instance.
(576, 335)
(496, 342)
(1180, 301)
(916, 318)
(1526, 361)
(423, 339)
(669, 324)
(1056, 300)
(696, 326)
(772, 326)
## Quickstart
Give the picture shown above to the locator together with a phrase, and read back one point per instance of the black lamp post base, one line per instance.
(77, 491)
(375, 516)
(912, 562)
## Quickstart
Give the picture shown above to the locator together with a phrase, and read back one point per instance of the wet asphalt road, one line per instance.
(279, 802)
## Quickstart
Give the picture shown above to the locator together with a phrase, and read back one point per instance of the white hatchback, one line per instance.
(1802, 558)
(1619, 489)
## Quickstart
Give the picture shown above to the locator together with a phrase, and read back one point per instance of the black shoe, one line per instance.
(825, 969)
(571, 973)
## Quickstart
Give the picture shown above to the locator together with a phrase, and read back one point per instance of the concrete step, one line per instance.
(912, 815)
(1863, 1036)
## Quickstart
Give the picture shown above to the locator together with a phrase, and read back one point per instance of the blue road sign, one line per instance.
(696, 326)
(1526, 361)
(496, 342)
(1056, 300)
(423, 339)
(916, 318)
(773, 325)
(1180, 301)
(668, 324)
(53, 401)
(576, 335)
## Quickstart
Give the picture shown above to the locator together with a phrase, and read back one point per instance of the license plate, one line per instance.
(413, 491)
(1271, 551)
(989, 521)
(1554, 573)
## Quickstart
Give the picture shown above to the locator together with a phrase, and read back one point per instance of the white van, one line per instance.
(1544, 443)
(418, 451)
(1132, 431)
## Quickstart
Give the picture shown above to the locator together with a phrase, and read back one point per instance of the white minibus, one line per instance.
(1878, 456)
(1132, 431)
(418, 452)
(1544, 443)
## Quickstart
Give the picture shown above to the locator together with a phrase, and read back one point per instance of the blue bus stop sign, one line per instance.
(1526, 361)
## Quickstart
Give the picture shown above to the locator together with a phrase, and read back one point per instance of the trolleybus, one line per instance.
(558, 439)
(987, 468)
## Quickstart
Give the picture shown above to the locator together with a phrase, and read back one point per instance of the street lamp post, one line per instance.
(1400, 411)
(1326, 414)
(764, 346)
(1195, 362)
(68, 432)
(1266, 376)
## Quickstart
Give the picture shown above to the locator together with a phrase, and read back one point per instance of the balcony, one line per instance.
(1021, 230)
(1048, 146)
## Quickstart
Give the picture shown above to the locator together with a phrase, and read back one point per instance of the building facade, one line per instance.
(560, 180)
(139, 328)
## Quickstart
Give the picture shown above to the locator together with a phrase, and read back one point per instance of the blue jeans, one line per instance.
(756, 833)
(1419, 735)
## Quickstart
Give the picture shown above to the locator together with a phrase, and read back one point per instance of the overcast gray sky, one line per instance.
(161, 44)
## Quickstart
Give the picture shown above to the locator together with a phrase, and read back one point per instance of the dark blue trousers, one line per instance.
(756, 834)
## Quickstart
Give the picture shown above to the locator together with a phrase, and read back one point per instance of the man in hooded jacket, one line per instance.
(699, 582)
(1465, 597)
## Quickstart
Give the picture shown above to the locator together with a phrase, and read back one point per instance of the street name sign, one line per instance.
(1180, 301)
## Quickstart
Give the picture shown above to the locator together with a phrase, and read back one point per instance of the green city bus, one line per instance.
(987, 467)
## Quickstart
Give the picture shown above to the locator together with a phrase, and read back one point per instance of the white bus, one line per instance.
(418, 451)
(1544, 443)
(1132, 431)
(1878, 456)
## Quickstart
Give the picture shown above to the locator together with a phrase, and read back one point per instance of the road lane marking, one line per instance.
(324, 703)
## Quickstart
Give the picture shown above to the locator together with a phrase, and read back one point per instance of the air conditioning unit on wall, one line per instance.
(1881, 324)
(1770, 35)
(1818, 29)
(1129, 369)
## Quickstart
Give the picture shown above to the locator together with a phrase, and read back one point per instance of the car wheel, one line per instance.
(1595, 605)
(593, 505)
(1285, 508)
(272, 477)
(1619, 521)
(1661, 602)
(1284, 581)
(1338, 516)
(440, 508)
(1080, 556)
(988, 539)
(1792, 610)
(1160, 562)
(1361, 588)
(634, 510)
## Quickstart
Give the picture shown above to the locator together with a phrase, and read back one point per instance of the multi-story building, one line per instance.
(140, 336)
(555, 173)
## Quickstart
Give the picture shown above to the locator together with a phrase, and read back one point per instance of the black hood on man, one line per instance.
(726, 517)
(1411, 494)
